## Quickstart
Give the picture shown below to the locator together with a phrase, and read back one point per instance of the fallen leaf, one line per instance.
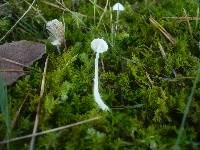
(17, 55)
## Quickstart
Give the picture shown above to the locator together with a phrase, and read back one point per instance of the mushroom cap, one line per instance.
(99, 45)
(118, 7)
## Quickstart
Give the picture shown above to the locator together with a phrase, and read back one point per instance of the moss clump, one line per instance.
(146, 98)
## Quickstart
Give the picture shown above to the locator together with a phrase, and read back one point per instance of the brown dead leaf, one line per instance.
(17, 55)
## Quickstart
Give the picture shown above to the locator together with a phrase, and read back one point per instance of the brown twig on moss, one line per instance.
(29, 8)
(49, 131)
(188, 22)
(39, 106)
(163, 30)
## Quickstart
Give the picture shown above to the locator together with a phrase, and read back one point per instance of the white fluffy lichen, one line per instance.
(57, 33)
(99, 46)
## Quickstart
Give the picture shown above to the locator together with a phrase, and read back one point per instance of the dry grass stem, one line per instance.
(29, 8)
(188, 22)
(17, 113)
(163, 30)
(39, 106)
(49, 131)
(184, 18)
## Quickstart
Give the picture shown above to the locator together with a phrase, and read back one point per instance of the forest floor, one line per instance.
(148, 77)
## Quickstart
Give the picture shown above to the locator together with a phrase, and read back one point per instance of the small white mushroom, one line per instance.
(57, 33)
(99, 46)
(118, 7)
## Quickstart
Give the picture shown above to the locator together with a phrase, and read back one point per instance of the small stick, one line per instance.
(183, 18)
(32, 144)
(165, 57)
(29, 8)
(49, 131)
(163, 30)
(149, 78)
(189, 26)
(197, 21)
(17, 114)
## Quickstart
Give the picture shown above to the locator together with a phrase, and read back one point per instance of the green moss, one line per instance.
(147, 102)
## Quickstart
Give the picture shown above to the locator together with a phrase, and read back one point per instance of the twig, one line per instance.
(37, 10)
(188, 22)
(17, 114)
(165, 57)
(173, 79)
(183, 18)
(128, 107)
(149, 78)
(39, 106)
(187, 108)
(197, 21)
(162, 51)
(29, 8)
(104, 11)
(163, 30)
(49, 131)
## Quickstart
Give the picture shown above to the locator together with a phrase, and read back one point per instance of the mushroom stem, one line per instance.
(117, 19)
(96, 72)
(97, 96)
(58, 48)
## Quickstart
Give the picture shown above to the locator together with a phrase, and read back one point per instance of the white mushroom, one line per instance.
(118, 7)
(57, 32)
(99, 46)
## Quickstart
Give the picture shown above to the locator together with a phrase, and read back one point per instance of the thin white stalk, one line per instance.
(58, 48)
(97, 96)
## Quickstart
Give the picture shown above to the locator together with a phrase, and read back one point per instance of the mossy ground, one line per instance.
(147, 102)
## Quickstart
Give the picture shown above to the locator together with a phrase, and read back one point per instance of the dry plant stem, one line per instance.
(94, 5)
(149, 78)
(185, 18)
(17, 114)
(36, 9)
(187, 108)
(164, 32)
(49, 131)
(188, 22)
(29, 8)
(64, 8)
(104, 11)
(197, 21)
(39, 106)
(165, 57)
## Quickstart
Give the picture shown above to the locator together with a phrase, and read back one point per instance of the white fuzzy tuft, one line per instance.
(57, 32)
